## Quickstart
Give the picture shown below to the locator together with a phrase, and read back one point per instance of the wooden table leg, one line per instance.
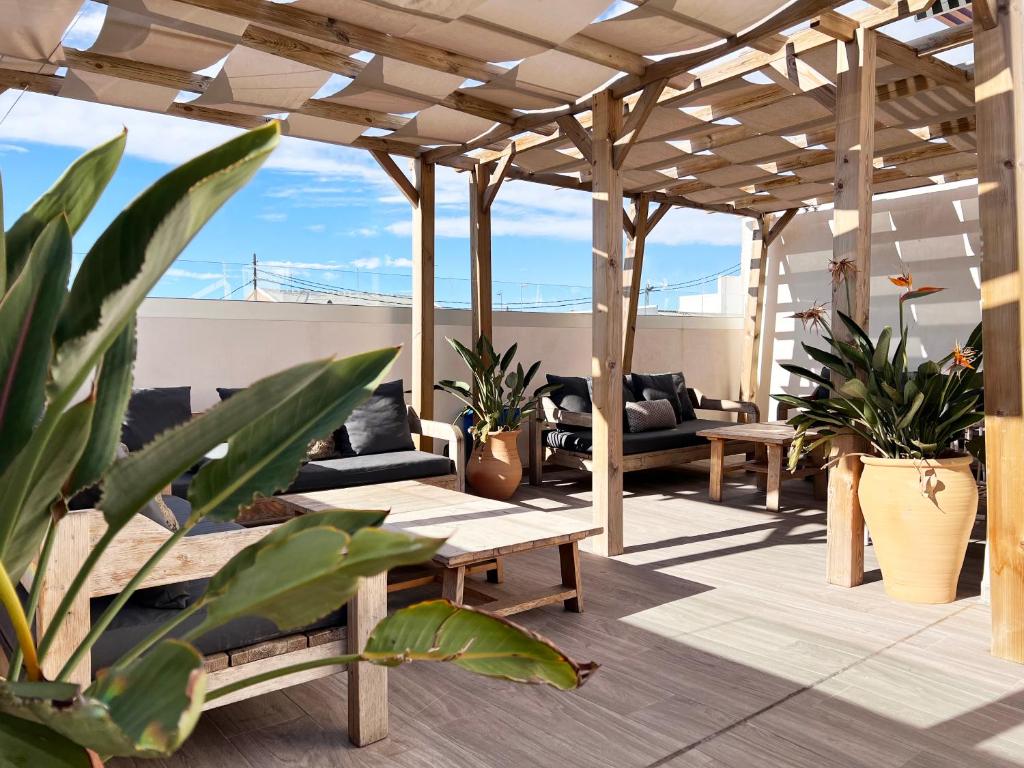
(569, 555)
(774, 477)
(454, 584)
(761, 457)
(717, 469)
(497, 574)
(367, 683)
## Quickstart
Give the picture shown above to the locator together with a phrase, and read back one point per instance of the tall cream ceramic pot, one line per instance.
(920, 513)
(495, 470)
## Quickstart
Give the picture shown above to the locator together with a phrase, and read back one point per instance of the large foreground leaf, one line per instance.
(25, 744)
(74, 195)
(300, 573)
(136, 249)
(488, 645)
(144, 709)
(264, 456)
(28, 316)
(23, 526)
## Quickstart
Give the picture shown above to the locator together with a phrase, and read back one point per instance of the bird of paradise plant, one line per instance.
(900, 412)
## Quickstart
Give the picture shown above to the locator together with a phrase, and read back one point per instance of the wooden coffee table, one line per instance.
(770, 439)
(480, 534)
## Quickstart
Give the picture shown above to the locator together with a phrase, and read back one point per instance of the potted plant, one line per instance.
(67, 356)
(496, 397)
(917, 493)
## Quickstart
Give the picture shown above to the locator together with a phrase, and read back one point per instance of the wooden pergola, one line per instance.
(770, 106)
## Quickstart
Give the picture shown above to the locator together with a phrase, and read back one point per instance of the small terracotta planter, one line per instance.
(920, 513)
(494, 469)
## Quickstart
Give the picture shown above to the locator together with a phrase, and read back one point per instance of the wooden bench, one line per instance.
(198, 557)
(553, 417)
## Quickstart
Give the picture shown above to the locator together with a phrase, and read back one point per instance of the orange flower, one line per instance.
(963, 357)
(902, 280)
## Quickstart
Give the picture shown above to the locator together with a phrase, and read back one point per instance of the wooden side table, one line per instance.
(770, 441)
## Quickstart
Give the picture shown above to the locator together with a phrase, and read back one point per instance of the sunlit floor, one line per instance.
(720, 645)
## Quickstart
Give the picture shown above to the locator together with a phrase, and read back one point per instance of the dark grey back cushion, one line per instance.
(226, 392)
(152, 411)
(573, 393)
(379, 425)
(664, 386)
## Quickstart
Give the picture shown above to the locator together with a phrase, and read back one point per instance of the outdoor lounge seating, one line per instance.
(562, 434)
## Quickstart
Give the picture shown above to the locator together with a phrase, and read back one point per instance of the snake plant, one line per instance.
(66, 359)
(902, 412)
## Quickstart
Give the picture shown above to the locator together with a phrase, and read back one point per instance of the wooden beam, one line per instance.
(627, 225)
(636, 119)
(836, 25)
(781, 224)
(578, 135)
(903, 55)
(855, 137)
(943, 40)
(607, 327)
(986, 13)
(395, 173)
(480, 253)
(423, 296)
(496, 176)
(999, 84)
(658, 215)
(140, 72)
(757, 277)
(633, 266)
(799, 78)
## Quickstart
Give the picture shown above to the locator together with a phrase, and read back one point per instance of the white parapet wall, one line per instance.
(934, 234)
(209, 344)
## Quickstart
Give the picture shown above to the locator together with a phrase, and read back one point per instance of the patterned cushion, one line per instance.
(649, 415)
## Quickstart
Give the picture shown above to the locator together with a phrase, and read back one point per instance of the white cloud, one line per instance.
(274, 216)
(85, 28)
(371, 262)
(316, 227)
(401, 263)
(16, 148)
(364, 232)
(191, 275)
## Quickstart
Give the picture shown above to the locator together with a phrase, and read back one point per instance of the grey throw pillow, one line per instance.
(650, 415)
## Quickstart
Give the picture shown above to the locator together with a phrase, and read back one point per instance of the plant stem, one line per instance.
(274, 673)
(33, 597)
(9, 598)
(158, 633)
(112, 610)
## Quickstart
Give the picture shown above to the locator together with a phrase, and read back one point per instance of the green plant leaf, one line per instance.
(144, 709)
(833, 362)
(854, 388)
(264, 456)
(858, 333)
(3, 244)
(24, 526)
(909, 415)
(881, 356)
(74, 194)
(136, 249)
(155, 700)
(113, 388)
(28, 316)
(299, 573)
(25, 744)
(479, 642)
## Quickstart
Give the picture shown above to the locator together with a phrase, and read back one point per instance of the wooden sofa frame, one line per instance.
(199, 557)
(456, 440)
(553, 417)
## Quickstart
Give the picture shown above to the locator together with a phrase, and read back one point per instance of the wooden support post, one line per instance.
(756, 279)
(70, 549)
(999, 96)
(606, 366)
(633, 274)
(480, 253)
(855, 140)
(423, 296)
(367, 683)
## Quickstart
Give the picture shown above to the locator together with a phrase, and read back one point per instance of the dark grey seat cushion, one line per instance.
(152, 411)
(680, 436)
(369, 470)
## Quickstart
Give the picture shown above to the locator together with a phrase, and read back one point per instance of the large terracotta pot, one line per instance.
(920, 513)
(495, 470)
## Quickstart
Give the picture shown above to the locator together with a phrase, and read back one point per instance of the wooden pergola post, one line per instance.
(606, 367)
(485, 180)
(999, 99)
(423, 294)
(855, 140)
(633, 265)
